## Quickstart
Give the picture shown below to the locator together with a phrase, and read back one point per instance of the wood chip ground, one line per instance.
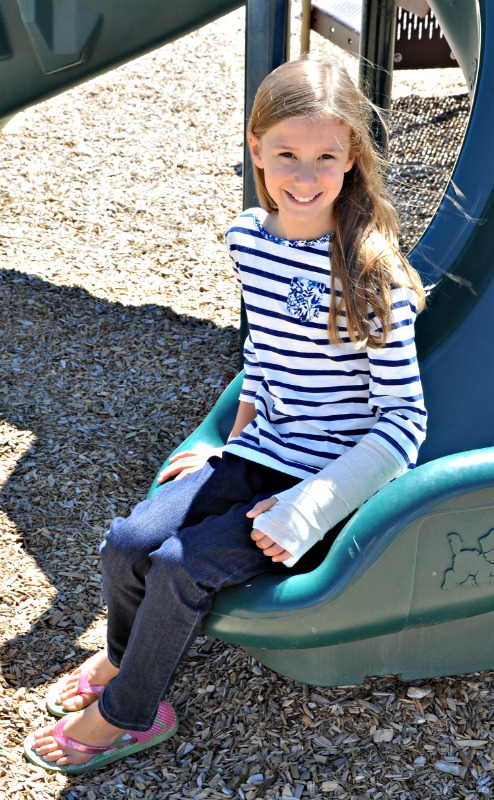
(119, 330)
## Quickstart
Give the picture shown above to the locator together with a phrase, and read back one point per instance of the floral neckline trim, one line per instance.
(291, 242)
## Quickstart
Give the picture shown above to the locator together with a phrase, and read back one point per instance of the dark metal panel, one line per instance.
(47, 46)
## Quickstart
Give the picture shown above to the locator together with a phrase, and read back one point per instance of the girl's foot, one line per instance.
(84, 685)
(57, 749)
(87, 727)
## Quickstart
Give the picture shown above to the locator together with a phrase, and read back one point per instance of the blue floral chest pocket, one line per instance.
(305, 298)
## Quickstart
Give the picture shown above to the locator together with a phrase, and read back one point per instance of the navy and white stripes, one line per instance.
(313, 399)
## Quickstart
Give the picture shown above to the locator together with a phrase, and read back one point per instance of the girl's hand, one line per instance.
(187, 462)
(270, 548)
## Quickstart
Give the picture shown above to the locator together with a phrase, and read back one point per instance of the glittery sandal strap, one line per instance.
(84, 689)
(65, 741)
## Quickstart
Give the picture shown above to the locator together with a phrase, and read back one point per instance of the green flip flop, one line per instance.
(164, 727)
(85, 689)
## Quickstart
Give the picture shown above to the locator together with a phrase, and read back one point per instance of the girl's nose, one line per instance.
(305, 172)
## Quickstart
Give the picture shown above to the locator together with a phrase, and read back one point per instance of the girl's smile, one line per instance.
(304, 199)
(304, 161)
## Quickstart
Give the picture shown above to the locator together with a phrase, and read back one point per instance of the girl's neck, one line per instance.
(275, 226)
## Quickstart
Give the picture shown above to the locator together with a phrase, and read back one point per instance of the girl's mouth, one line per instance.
(301, 199)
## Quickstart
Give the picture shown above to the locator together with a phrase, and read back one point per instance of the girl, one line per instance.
(331, 410)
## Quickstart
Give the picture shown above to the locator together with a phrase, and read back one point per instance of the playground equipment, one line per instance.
(419, 42)
(47, 46)
(408, 586)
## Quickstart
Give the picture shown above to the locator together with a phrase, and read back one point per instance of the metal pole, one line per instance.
(267, 31)
(377, 48)
(266, 47)
(306, 25)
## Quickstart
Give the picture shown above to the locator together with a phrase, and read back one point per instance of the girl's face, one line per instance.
(304, 162)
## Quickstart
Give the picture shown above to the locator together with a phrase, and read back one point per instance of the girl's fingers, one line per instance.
(174, 470)
(284, 556)
(261, 539)
(265, 543)
(186, 462)
(270, 548)
(261, 507)
(182, 454)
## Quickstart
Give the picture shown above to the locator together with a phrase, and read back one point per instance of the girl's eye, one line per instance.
(327, 156)
(287, 154)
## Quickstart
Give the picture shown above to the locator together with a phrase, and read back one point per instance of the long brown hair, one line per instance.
(365, 257)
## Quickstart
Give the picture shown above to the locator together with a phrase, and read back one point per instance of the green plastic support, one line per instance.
(47, 46)
(5, 49)
(410, 569)
(62, 34)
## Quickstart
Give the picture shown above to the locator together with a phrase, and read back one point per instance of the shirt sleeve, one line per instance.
(395, 389)
(253, 373)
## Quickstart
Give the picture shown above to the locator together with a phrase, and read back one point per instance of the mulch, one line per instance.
(119, 330)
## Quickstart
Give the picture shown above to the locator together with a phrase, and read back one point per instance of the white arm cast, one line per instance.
(304, 513)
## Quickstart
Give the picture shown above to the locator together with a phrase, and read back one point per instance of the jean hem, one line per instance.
(125, 726)
(113, 661)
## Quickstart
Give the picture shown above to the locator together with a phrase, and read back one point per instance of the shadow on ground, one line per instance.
(98, 393)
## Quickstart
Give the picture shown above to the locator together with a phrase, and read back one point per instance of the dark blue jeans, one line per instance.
(161, 567)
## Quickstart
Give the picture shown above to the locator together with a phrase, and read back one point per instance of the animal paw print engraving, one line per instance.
(471, 566)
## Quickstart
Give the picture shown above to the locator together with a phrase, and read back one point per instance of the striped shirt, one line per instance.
(313, 399)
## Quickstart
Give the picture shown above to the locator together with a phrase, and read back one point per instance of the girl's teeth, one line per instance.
(303, 199)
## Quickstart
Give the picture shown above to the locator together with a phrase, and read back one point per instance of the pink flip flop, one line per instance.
(164, 727)
(84, 688)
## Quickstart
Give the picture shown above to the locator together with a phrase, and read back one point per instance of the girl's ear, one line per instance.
(351, 160)
(254, 142)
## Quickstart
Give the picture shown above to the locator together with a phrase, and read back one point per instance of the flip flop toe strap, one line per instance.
(65, 741)
(85, 688)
